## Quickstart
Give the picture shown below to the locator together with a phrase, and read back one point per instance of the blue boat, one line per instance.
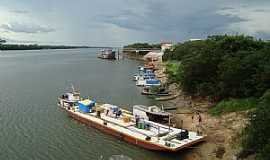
(152, 82)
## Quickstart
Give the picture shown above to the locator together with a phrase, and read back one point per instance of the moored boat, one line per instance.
(152, 82)
(151, 113)
(107, 54)
(166, 98)
(156, 92)
(147, 82)
(115, 121)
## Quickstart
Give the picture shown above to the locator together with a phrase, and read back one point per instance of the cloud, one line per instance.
(261, 10)
(19, 11)
(125, 21)
(9, 40)
(26, 28)
(166, 19)
(256, 21)
(227, 8)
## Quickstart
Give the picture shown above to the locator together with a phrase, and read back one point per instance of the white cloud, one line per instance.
(255, 19)
(17, 11)
(26, 28)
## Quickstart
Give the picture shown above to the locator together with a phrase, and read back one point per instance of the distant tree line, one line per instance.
(140, 46)
(143, 45)
(223, 67)
(4, 46)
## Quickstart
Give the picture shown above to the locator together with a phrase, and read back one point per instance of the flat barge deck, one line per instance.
(158, 138)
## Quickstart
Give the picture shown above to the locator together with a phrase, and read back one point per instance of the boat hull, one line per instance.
(138, 142)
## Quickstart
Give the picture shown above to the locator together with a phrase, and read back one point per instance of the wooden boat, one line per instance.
(144, 92)
(166, 98)
(151, 113)
(160, 93)
(125, 126)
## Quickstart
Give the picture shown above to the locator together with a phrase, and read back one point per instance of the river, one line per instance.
(33, 127)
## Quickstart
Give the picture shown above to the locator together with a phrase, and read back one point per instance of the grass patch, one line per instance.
(233, 105)
(174, 71)
(172, 67)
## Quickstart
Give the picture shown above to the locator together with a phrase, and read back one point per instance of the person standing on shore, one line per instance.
(199, 119)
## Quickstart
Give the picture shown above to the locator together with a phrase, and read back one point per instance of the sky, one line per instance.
(120, 22)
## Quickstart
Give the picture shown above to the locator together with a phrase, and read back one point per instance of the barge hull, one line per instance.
(132, 140)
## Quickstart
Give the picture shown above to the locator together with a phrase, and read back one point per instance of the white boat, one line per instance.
(141, 81)
(136, 77)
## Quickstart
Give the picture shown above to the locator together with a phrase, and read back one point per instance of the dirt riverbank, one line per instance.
(222, 132)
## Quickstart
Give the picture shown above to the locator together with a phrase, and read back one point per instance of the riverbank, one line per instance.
(223, 131)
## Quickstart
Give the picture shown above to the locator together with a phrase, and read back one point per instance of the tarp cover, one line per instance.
(86, 102)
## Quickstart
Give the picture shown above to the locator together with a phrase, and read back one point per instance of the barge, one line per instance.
(125, 126)
(107, 54)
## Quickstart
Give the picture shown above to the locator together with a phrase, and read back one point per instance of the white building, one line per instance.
(154, 56)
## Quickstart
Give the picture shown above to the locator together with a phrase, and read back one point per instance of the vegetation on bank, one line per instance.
(256, 136)
(233, 105)
(233, 71)
(33, 46)
(223, 67)
(174, 71)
